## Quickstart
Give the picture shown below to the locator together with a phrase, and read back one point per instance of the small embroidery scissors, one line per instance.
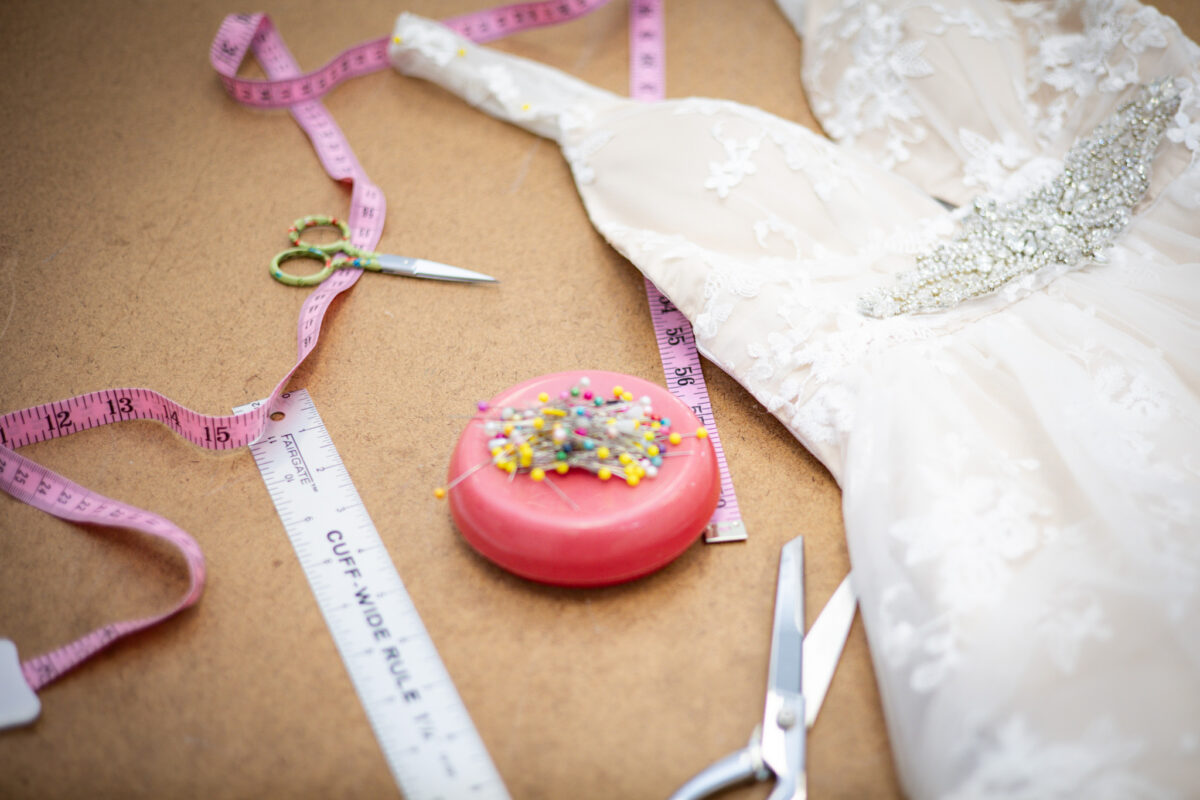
(776, 748)
(342, 253)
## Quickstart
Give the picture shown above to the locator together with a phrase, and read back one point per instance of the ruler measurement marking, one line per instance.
(393, 664)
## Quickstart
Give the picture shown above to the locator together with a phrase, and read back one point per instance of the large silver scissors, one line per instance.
(795, 689)
(777, 745)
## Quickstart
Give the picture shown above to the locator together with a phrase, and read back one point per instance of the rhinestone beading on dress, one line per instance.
(1068, 220)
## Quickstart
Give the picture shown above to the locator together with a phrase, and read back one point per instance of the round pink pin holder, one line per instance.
(583, 478)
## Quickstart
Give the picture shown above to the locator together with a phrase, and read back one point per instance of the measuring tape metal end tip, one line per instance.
(19, 704)
(727, 531)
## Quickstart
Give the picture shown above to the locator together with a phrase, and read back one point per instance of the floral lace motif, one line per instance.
(1018, 764)
(873, 92)
(579, 155)
(1075, 618)
(880, 100)
(439, 45)
(825, 165)
(724, 176)
(981, 524)
(989, 164)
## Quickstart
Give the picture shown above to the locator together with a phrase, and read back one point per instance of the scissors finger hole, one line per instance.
(304, 279)
(322, 232)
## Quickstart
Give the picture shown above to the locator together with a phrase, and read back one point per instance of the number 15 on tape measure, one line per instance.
(426, 734)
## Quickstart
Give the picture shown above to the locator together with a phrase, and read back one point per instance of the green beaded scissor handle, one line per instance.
(335, 254)
(341, 253)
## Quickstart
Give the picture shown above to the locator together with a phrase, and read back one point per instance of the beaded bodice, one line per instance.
(1064, 223)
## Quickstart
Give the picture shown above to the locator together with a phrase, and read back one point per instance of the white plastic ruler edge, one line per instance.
(418, 717)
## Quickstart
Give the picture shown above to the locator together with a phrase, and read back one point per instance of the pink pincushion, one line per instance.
(606, 531)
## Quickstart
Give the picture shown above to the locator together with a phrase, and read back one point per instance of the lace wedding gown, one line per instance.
(1008, 394)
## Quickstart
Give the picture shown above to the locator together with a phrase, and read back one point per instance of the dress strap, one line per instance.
(517, 90)
(794, 10)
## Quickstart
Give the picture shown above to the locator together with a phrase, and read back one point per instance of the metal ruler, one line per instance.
(424, 729)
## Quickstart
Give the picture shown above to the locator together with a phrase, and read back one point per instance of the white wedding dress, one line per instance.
(1020, 465)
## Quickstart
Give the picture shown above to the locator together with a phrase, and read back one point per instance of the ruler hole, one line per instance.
(277, 415)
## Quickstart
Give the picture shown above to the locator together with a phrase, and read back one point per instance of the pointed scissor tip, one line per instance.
(434, 270)
(446, 272)
(461, 279)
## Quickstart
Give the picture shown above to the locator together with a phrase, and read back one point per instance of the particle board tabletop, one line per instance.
(142, 206)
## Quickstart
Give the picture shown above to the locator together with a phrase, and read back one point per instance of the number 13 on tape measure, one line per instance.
(419, 719)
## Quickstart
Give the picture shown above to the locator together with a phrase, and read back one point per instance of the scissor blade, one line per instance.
(782, 727)
(823, 647)
(787, 638)
(420, 268)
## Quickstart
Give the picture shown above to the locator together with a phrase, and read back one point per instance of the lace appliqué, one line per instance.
(988, 164)
(1074, 618)
(723, 176)
(434, 42)
(1074, 217)
(873, 93)
(1019, 763)
(911, 636)
(1101, 57)
(980, 526)
(1160, 485)
(1085, 61)
(823, 163)
(579, 155)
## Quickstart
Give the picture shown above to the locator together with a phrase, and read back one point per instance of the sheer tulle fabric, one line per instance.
(1021, 472)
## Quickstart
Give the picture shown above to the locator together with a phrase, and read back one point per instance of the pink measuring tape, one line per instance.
(672, 331)
(287, 86)
(54, 494)
(371, 56)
